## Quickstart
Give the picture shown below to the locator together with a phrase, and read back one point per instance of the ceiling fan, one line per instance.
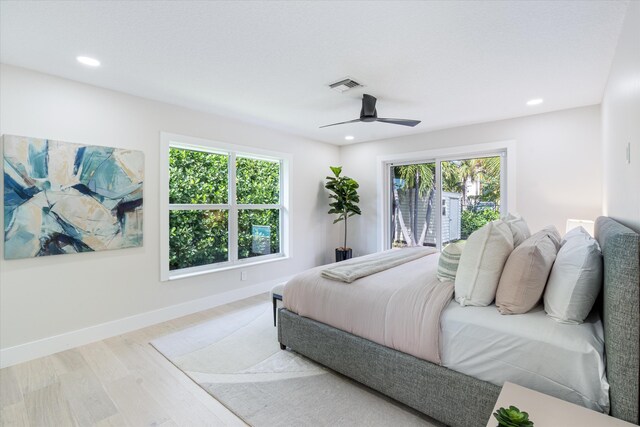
(368, 113)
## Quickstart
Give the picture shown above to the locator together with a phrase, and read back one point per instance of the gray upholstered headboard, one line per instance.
(621, 315)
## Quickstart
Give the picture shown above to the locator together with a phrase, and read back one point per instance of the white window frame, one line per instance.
(505, 149)
(169, 140)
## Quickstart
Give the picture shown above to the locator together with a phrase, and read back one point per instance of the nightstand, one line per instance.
(547, 411)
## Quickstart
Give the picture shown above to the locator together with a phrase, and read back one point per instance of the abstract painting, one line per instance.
(62, 198)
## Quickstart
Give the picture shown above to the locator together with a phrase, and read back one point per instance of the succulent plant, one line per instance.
(512, 417)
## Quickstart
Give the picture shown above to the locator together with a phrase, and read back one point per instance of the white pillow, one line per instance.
(574, 233)
(575, 280)
(481, 264)
(519, 229)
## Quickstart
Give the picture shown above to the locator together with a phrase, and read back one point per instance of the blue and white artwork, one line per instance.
(62, 198)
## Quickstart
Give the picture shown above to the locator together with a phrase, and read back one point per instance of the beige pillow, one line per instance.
(553, 234)
(525, 274)
(481, 264)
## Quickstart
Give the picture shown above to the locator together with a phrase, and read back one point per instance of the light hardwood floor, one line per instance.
(120, 381)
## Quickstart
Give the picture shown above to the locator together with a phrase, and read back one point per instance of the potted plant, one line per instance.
(344, 192)
(512, 417)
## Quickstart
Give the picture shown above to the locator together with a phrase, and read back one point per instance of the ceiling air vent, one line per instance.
(345, 85)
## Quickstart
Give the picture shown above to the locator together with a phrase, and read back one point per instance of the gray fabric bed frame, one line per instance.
(460, 400)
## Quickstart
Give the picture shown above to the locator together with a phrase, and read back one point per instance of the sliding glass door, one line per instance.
(444, 200)
(470, 195)
(413, 193)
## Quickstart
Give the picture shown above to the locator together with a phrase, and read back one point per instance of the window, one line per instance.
(435, 197)
(223, 206)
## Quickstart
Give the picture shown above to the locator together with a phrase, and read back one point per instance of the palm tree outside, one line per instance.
(476, 181)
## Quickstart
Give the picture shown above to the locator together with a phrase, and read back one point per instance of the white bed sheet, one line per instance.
(532, 350)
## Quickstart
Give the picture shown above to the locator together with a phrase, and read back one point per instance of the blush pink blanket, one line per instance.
(398, 308)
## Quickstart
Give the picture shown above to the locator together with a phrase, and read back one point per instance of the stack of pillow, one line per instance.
(502, 261)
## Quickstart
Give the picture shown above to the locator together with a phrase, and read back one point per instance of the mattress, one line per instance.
(532, 350)
(398, 308)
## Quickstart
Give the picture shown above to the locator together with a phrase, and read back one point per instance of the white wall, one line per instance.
(621, 126)
(559, 176)
(43, 297)
(558, 167)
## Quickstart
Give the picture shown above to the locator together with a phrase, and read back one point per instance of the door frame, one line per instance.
(505, 149)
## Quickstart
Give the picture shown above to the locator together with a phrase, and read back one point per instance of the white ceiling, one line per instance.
(269, 62)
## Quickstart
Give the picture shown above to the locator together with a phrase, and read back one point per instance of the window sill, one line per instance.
(242, 264)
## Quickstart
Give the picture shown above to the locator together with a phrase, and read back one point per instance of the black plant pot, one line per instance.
(342, 254)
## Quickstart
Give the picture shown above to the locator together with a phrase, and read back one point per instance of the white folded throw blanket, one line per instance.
(353, 269)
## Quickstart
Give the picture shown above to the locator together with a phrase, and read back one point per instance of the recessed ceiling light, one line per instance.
(91, 62)
(349, 138)
(536, 101)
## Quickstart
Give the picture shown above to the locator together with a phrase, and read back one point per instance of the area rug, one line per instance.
(237, 359)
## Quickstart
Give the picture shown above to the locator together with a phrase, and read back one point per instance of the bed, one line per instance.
(458, 399)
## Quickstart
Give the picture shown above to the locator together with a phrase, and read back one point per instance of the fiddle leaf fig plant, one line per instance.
(344, 193)
(512, 417)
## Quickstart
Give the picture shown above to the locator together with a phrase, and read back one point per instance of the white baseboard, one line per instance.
(46, 346)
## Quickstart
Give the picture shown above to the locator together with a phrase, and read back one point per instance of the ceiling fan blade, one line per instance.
(403, 122)
(368, 113)
(368, 106)
(341, 123)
